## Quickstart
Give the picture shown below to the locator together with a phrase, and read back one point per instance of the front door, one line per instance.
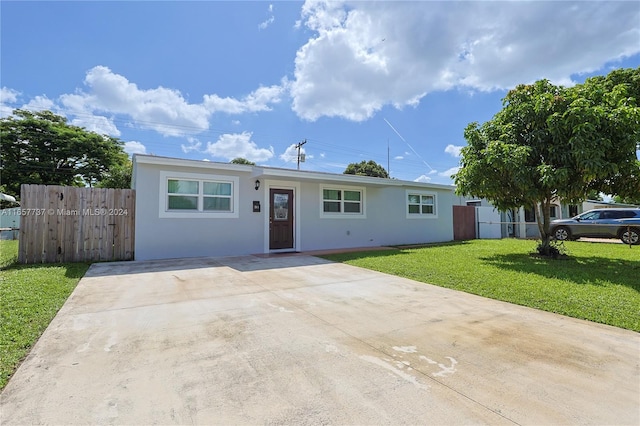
(281, 219)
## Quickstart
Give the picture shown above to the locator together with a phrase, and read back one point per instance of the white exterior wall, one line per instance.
(163, 238)
(385, 220)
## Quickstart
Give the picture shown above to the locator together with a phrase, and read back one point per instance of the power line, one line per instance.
(408, 144)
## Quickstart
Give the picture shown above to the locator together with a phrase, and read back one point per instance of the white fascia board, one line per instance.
(168, 161)
(342, 178)
(297, 175)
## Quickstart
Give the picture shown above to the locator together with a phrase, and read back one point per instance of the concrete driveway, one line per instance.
(299, 340)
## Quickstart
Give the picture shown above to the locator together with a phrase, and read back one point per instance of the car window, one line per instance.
(611, 214)
(630, 213)
(590, 216)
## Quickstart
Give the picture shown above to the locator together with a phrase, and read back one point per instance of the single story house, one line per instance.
(190, 208)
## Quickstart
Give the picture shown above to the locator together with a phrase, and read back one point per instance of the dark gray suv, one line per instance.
(600, 223)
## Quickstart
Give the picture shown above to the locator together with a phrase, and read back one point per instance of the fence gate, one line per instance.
(464, 222)
(71, 224)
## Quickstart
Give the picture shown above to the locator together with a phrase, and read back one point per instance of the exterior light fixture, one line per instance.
(257, 184)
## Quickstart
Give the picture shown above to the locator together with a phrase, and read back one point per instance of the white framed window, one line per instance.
(342, 202)
(421, 204)
(191, 195)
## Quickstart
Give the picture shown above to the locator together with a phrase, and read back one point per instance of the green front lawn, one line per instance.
(30, 296)
(599, 281)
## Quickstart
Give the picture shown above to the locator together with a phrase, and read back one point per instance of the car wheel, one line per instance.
(630, 236)
(562, 233)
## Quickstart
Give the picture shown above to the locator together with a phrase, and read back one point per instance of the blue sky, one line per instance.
(392, 82)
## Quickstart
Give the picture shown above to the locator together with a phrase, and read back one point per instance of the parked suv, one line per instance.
(600, 223)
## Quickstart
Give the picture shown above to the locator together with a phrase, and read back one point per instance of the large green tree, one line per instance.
(366, 168)
(550, 142)
(240, 160)
(42, 148)
(118, 176)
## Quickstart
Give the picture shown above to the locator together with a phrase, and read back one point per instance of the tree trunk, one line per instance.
(543, 218)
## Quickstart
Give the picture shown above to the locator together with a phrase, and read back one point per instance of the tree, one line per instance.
(366, 168)
(240, 160)
(41, 148)
(629, 200)
(118, 176)
(550, 142)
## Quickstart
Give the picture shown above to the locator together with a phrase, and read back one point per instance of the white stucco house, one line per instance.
(190, 208)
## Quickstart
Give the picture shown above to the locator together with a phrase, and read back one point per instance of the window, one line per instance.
(530, 214)
(342, 202)
(552, 211)
(573, 210)
(421, 204)
(194, 195)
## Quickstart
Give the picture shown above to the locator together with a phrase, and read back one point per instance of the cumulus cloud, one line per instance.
(453, 150)
(7, 96)
(161, 109)
(39, 103)
(230, 146)
(290, 155)
(365, 55)
(422, 178)
(97, 123)
(449, 172)
(258, 100)
(134, 147)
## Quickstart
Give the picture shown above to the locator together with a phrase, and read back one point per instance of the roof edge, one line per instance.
(273, 172)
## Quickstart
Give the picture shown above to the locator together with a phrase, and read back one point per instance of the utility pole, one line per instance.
(298, 146)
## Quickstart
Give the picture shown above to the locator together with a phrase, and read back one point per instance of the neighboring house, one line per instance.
(521, 223)
(9, 223)
(189, 208)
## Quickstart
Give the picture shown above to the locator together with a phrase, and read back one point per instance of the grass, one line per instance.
(598, 282)
(30, 296)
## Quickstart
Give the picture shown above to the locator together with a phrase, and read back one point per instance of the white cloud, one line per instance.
(365, 55)
(290, 155)
(160, 109)
(230, 146)
(422, 178)
(449, 172)
(194, 145)
(7, 96)
(97, 123)
(398, 157)
(39, 103)
(258, 100)
(453, 150)
(269, 21)
(134, 147)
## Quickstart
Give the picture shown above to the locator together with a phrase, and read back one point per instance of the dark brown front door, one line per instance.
(281, 219)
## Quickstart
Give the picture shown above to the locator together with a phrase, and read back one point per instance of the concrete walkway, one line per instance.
(299, 340)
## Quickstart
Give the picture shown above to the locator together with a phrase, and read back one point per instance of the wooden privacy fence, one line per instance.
(464, 223)
(71, 224)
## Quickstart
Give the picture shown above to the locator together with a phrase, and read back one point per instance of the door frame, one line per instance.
(280, 184)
